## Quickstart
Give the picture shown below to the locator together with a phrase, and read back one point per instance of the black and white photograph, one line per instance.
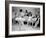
(25, 18)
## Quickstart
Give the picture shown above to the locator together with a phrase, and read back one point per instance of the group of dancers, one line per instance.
(27, 18)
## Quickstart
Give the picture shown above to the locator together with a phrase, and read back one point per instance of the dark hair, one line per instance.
(20, 10)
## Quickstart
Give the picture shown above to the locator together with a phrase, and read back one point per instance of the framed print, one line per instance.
(24, 18)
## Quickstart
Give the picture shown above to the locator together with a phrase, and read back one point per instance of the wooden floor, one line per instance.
(23, 28)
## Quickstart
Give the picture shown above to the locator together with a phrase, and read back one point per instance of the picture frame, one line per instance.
(10, 29)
